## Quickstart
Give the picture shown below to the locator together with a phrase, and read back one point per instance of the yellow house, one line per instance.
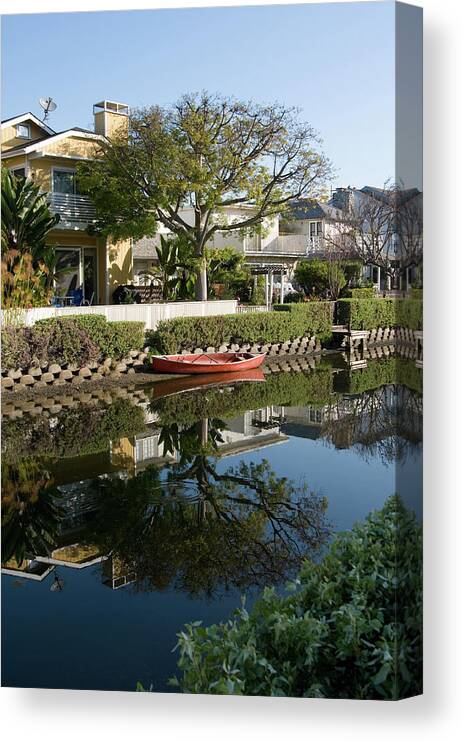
(30, 148)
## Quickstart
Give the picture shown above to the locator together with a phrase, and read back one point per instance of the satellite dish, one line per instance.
(48, 105)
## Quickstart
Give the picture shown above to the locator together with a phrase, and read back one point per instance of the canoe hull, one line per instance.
(207, 363)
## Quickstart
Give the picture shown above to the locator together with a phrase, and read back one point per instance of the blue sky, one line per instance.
(334, 61)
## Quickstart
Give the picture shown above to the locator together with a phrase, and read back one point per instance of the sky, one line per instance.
(335, 62)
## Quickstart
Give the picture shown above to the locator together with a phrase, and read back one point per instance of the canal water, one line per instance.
(129, 513)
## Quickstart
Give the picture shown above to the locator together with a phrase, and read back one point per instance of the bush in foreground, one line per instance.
(350, 628)
(74, 339)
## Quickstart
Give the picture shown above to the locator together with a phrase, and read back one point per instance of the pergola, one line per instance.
(269, 271)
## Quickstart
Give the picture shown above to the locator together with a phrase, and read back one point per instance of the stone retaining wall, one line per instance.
(384, 336)
(301, 346)
(68, 374)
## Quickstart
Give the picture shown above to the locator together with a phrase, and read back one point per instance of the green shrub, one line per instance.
(114, 339)
(351, 627)
(369, 314)
(294, 297)
(62, 340)
(416, 293)
(16, 347)
(320, 278)
(361, 293)
(311, 318)
(73, 339)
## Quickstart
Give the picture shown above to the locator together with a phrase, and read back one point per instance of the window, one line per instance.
(315, 228)
(23, 131)
(319, 227)
(19, 172)
(64, 181)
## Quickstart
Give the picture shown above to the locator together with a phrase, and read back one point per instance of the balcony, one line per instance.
(72, 208)
(289, 245)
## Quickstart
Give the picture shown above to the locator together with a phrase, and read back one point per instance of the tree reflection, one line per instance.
(385, 423)
(202, 530)
(31, 510)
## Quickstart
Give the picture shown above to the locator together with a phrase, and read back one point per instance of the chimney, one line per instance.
(341, 198)
(110, 118)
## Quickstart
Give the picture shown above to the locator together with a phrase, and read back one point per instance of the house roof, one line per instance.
(27, 116)
(307, 208)
(31, 146)
(145, 248)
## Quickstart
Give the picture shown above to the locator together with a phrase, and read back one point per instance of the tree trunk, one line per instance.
(201, 286)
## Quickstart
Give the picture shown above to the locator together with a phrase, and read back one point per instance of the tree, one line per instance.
(26, 221)
(26, 217)
(351, 627)
(225, 266)
(183, 166)
(322, 278)
(380, 227)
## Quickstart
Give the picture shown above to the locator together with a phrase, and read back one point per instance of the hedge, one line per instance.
(370, 314)
(362, 293)
(311, 318)
(75, 339)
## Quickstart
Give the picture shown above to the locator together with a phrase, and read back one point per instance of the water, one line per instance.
(135, 514)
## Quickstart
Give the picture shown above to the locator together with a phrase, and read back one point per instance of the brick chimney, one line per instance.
(110, 118)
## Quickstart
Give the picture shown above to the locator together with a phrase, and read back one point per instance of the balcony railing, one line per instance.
(72, 208)
(291, 245)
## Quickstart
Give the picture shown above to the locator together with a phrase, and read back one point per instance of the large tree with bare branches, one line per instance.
(380, 227)
(182, 166)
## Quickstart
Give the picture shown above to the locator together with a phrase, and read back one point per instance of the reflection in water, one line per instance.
(176, 496)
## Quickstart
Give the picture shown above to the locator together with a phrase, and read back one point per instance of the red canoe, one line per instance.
(207, 363)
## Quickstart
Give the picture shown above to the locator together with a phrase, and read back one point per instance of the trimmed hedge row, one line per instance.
(75, 339)
(311, 318)
(370, 314)
(364, 293)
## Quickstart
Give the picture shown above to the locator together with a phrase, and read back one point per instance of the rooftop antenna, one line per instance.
(48, 105)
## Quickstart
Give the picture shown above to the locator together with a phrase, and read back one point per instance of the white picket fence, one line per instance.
(149, 314)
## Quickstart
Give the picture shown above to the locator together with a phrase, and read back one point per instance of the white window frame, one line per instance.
(81, 249)
(23, 126)
(63, 170)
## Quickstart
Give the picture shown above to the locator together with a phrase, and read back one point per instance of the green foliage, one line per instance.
(369, 314)
(26, 218)
(294, 297)
(258, 292)
(416, 293)
(172, 336)
(16, 347)
(351, 626)
(321, 278)
(225, 266)
(211, 152)
(361, 293)
(74, 339)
